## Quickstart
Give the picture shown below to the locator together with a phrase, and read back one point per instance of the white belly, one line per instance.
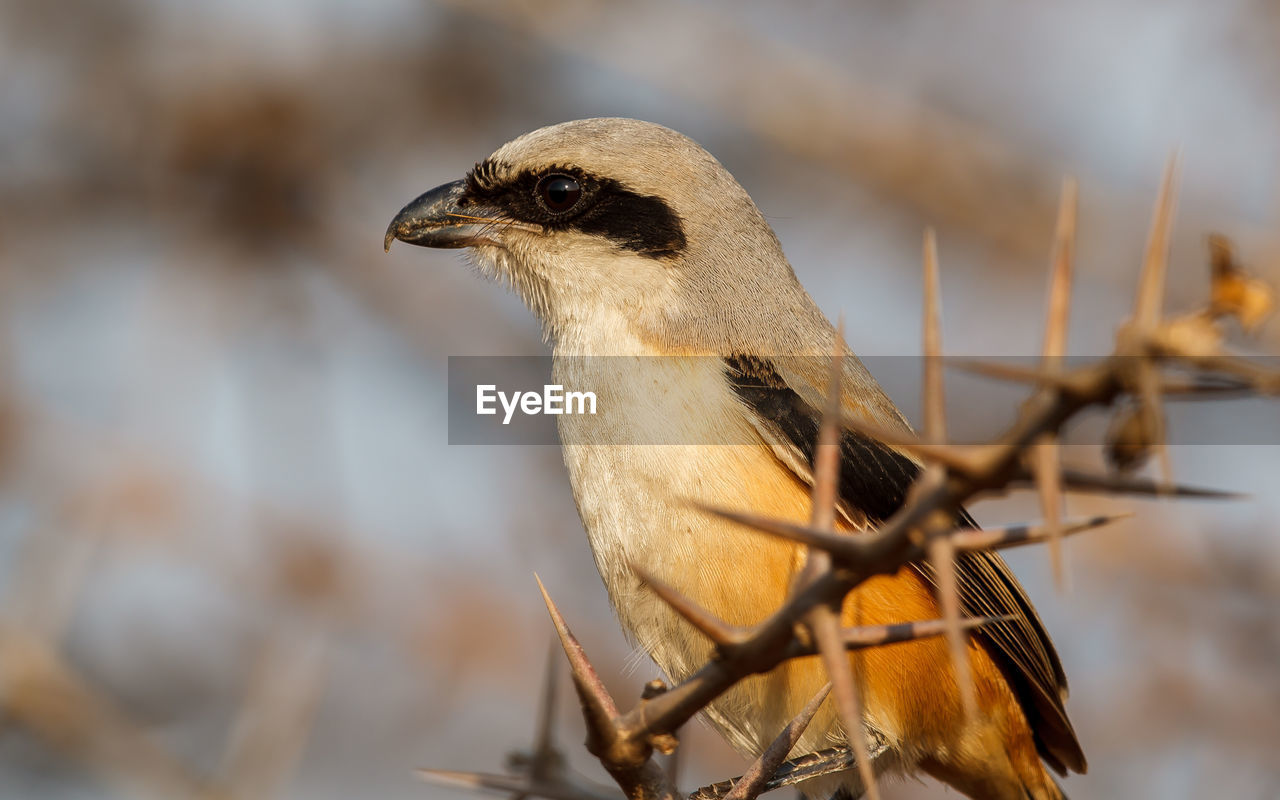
(634, 497)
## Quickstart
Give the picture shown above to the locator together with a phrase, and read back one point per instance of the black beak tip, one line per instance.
(430, 220)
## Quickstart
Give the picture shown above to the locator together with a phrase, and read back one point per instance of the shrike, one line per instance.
(627, 239)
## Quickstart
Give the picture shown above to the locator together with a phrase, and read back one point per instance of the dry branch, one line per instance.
(274, 719)
(753, 781)
(42, 694)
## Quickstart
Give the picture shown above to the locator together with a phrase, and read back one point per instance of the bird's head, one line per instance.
(613, 220)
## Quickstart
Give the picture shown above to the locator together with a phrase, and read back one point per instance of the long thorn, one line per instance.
(1197, 388)
(1046, 466)
(1174, 389)
(1018, 535)
(1115, 484)
(941, 553)
(754, 780)
(1058, 310)
(842, 546)
(1155, 260)
(880, 635)
(718, 631)
(967, 459)
(849, 549)
(792, 772)
(942, 557)
(597, 706)
(824, 621)
(1045, 455)
(826, 457)
(825, 493)
(1015, 373)
(825, 625)
(935, 414)
(1260, 379)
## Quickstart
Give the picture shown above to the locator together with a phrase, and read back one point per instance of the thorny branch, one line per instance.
(1135, 377)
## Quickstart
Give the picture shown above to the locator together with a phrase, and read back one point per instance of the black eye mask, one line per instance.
(567, 198)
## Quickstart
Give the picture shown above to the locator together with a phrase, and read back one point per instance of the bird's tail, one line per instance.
(1043, 787)
(1057, 787)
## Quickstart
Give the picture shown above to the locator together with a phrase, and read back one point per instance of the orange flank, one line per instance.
(909, 690)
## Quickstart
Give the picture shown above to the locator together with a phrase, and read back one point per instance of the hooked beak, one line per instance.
(434, 219)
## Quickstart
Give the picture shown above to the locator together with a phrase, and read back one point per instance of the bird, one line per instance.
(658, 282)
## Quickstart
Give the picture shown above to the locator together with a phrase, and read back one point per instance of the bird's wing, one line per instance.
(874, 480)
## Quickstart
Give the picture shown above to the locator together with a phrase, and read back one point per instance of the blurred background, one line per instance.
(235, 545)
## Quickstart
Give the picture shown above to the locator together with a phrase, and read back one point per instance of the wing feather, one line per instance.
(874, 480)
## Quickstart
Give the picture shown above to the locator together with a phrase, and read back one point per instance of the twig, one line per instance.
(753, 781)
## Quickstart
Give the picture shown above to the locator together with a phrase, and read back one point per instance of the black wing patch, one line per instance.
(874, 480)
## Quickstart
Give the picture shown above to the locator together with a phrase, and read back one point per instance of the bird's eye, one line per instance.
(559, 193)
